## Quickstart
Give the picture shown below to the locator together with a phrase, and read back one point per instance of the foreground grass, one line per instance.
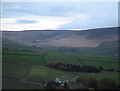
(38, 72)
(41, 72)
(99, 76)
(15, 70)
(33, 72)
(12, 73)
(17, 84)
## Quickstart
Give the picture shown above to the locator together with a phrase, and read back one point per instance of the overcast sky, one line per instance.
(18, 16)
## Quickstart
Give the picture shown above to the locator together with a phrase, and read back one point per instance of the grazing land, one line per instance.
(30, 66)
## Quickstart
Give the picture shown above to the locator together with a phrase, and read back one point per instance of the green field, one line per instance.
(67, 58)
(33, 72)
(12, 73)
(31, 67)
(17, 84)
(98, 76)
(22, 59)
(16, 70)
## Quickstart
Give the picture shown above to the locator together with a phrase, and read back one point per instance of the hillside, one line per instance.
(58, 38)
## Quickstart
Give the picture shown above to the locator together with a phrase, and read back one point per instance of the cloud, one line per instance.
(26, 21)
(60, 1)
(8, 21)
(34, 23)
(77, 15)
(18, 16)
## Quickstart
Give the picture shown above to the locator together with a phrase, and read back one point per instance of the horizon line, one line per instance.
(61, 29)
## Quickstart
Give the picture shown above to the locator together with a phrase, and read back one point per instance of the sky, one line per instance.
(18, 16)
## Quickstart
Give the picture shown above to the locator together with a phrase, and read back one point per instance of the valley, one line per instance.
(29, 58)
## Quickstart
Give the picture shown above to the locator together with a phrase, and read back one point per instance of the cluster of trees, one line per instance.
(75, 68)
(111, 69)
(15, 49)
(21, 54)
(104, 83)
(24, 50)
(4, 50)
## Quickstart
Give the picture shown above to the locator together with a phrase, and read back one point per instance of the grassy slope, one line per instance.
(22, 58)
(12, 73)
(68, 58)
(16, 84)
(32, 72)
(16, 70)
(41, 72)
(38, 72)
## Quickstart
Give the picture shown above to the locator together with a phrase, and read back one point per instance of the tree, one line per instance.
(65, 85)
(50, 85)
(80, 79)
(62, 67)
(15, 49)
(92, 82)
(107, 83)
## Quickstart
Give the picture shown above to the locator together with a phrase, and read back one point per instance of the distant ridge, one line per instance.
(62, 29)
(58, 38)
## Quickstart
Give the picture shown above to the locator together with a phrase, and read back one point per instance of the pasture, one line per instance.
(66, 58)
(31, 67)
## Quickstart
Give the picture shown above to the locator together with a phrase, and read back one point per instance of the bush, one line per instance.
(92, 82)
(80, 79)
(107, 83)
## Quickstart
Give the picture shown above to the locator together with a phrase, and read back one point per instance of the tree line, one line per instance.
(21, 54)
(75, 68)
